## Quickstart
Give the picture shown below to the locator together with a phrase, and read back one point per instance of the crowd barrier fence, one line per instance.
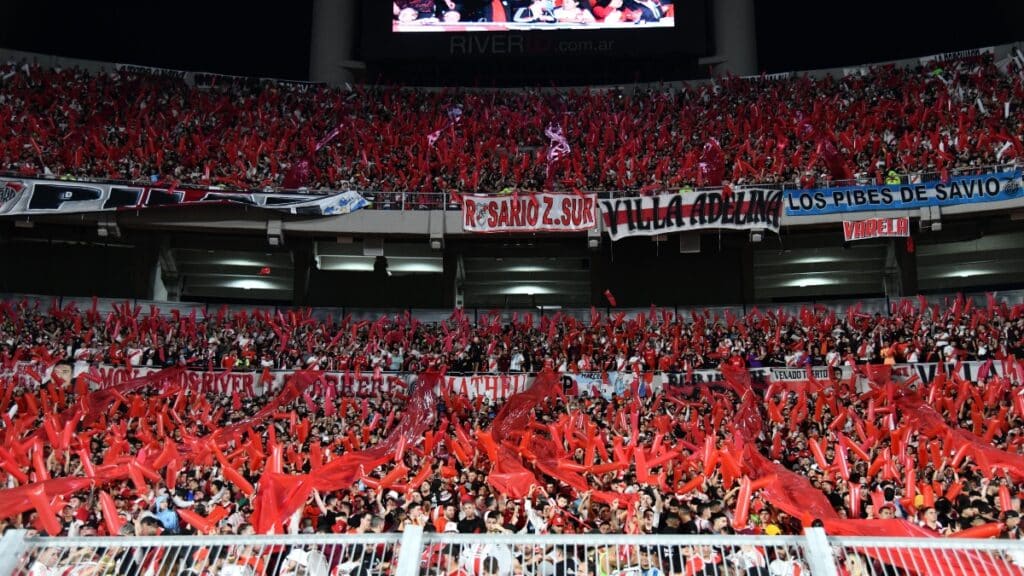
(414, 553)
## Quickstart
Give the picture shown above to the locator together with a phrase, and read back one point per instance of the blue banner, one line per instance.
(959, 190)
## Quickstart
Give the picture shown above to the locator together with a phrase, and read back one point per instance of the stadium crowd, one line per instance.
(243, 133)
(658, 340)
(148, 457)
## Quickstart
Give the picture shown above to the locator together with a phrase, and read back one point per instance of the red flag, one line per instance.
(610, 298)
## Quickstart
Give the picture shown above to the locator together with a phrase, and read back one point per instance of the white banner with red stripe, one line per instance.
(32, 375)
(741, 209)
(876, 228)
(529, 213)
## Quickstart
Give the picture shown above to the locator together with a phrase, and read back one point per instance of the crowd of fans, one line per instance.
(657, 340)
(235, 133)
(671, 461)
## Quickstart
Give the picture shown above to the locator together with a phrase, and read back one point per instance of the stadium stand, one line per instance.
(936, 120)
(608, 443)
(941, 453)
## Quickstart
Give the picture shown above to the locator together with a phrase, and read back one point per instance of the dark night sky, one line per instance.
(252, 38)
(805, 34)
(226, 36)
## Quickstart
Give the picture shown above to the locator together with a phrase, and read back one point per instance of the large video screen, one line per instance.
(530, 15)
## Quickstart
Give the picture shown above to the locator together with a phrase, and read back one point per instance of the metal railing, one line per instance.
(313, 555)
(415, 553)
(612, 555)
(916, 177)
(932, 556)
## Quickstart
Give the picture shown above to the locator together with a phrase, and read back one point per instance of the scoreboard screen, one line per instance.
(419, 16)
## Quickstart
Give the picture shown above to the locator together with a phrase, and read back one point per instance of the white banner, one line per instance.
(958, 55)
(617, 383)
(493, 386)
(25, 197)
(529, 213)
(744, 209)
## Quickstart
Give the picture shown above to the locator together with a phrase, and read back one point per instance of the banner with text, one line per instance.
(529, 213)
(958, 190)
(492, 386)
(876, 228)
(606, 385)
(26, 197)
(958, 55)
(744, 209)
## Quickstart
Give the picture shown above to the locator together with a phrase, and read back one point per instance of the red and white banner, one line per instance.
(529, 213)
(493, 386)
(32, 375)
(876, 228)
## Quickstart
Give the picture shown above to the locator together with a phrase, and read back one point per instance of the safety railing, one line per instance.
(912, 177)
(313, 555)
(415, 553)
(932, 556)
(613, 555)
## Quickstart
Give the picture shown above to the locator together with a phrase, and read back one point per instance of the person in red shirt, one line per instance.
(736, 359)
(666, 362)
(807, 181)
(450, 561)
(650, 357)
(930, 521)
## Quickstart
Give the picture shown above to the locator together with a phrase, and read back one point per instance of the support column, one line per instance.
(746, 276)
(906, 264)
(900, 270)
(302, 260)
(735, 36)
(167, 283)
(332, 40)
(146, 260)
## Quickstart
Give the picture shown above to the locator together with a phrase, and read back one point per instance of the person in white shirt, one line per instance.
(570, 11)
(783, 565)
(914, 355)
(45, 563)
(397, 358)
(748, 558)
(516, 363)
